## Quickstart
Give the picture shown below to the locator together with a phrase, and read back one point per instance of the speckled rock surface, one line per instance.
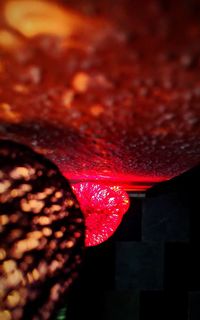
(113, 92)
(41, 235)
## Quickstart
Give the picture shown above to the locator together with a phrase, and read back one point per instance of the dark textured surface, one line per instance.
(194, 305)
(163, 305)
(168, 222)
(146, 272)
(121, 305)
(41, 234)
(142, 263)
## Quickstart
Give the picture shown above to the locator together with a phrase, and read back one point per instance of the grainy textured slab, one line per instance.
(107, 90)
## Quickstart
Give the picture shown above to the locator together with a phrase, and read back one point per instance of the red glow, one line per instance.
(127, 182)
(103, 207)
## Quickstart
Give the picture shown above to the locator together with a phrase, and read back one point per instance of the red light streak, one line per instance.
(127, 182)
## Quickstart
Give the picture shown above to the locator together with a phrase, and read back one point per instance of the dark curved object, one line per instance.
(41, 234)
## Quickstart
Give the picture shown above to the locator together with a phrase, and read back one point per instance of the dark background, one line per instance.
(150, 268)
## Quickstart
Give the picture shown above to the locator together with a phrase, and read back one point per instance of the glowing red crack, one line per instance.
(103, 207)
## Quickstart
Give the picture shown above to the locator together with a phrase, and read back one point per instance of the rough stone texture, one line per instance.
(41, 234)
(117, 97)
